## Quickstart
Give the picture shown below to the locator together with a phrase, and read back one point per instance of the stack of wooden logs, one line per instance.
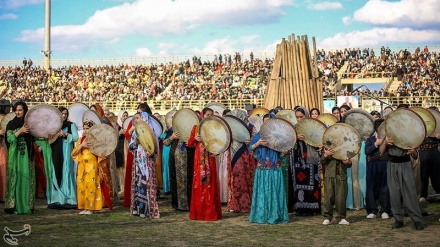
(295, 77)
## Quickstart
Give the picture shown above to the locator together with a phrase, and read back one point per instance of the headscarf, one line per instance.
(304, 110)
(120, 123)
(15, 124)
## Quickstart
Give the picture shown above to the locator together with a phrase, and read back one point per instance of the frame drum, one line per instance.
(361, 121)
(437, 121)
(103, 138)
(217, 107)
(216, 134)
(92, 116)
(127, 122)
(288, 115)
(428, 118)
(76, 111)
(146, 136)
(240, 131)
(43, 120)
(406, 128)
(313, 131)
(183, 122)
(343, 139)
(279, 134)
(5, 120)
(327, 118)
(259, 111)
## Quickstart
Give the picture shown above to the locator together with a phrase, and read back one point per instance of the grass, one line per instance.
(119, 228)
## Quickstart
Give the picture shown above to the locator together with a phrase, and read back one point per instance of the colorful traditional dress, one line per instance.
(241, 171)
(205, 196)
(20, 174)
(89, 176)
(269, 204)
(3, 162)
(165, 162)
(128, 183)
(64, 173)
(144, 197)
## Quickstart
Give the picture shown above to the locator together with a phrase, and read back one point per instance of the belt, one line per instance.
(399, 159)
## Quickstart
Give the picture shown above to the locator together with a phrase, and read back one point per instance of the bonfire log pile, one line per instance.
(295, 78)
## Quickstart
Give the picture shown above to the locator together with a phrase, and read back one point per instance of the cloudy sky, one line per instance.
(123, 28)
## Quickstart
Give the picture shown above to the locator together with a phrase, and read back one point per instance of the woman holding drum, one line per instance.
(269, 204)
(89, 176)
(20, 174)
(64, 167)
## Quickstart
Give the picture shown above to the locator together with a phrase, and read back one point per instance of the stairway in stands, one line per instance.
(393, 85)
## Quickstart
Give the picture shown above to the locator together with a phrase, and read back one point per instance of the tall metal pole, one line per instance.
(47, 52)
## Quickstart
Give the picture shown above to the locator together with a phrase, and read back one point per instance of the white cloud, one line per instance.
(143, 52)
(346, 20)
(404, 13)
(12, 4)
(325, 6)
(380, 36)
(8, 16)
(163, 17)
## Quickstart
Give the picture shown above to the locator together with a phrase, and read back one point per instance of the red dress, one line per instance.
(128, 169)
(205, 195)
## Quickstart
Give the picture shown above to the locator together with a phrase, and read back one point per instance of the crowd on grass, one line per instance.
(220, 78)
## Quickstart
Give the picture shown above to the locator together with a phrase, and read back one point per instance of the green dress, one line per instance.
(20, 176)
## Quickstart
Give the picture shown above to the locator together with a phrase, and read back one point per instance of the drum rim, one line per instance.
(224, 123)
(327, 114)
(95, 113)
(253, 112)
(437, 125)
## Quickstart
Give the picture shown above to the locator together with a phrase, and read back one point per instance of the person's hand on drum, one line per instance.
(378, 142)
(175, 135)
(437, 135)
(85, 144)
(389, 140)
(247, 142)
(346, 161)
(122, 131)
(328, 152)
(411, 151)
(284, 152)
(301, 137)
(131, 130)
(262, 142)
(198, 138)
(23, 129)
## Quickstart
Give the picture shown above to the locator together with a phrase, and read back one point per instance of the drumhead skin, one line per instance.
(240, 131)
(313, 131)
(157, 126)
(279, 134)
(169, 118)
(427, 117)
(103, 138)
(406, 128)
(216, 134)
(76, 111)
(127, 122)
(436, 115)
(183, 122)
(361, 121)
(217, 107)
(328, 119)
(92, 116)
(288, 115)
(5, 120)
(343, 139)
(259, 111)
(146, 136)
(43, 120)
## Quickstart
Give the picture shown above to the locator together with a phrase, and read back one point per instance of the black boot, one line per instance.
(397, 224)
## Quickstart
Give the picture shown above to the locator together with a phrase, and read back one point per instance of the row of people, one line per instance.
(266, 183)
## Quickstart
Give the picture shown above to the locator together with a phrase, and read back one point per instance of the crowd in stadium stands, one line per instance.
(225, 77)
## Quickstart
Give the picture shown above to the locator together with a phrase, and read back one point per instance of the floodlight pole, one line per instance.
(47, 52)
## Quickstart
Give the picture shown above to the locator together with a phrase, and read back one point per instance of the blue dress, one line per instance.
(165, 163)
(64, 193)
(269, 204)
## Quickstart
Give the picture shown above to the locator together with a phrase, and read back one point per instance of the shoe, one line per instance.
(88, 212)
(344, 222)
(82, 212)
(142, 216)
(371, 216)
(422, 199)
(418, 225)
(385, 216)
(326, 222)
(397, 224)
